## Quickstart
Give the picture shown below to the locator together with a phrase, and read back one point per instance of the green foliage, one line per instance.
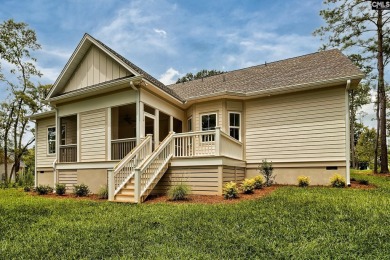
(365, 147)
(103, 192)
(248, 186)
(199, 75)
(337, 181)
(44, 189)
(230, 190)
(364, 182)
(266, 169)
(178, 191)
(81, 190)
(27, 188)
(303, 181)
(259, 181)
(60, 189)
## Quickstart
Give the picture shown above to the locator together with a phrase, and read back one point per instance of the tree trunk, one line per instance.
(382, 97)
(377, 134)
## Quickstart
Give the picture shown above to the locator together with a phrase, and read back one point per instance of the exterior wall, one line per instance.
(93, 178)
(300, 127)
(288, 173)
(45, 176)
(43, 158)
(231, 173)
(96, 67)
(93, 135)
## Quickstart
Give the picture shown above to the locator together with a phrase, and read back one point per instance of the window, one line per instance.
(234, 125)
(189, 124)
(51, 140)
(209, 122)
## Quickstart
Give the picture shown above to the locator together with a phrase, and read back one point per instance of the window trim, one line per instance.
(207, 114)
(192, 125)
(47, 141)
(239, 127)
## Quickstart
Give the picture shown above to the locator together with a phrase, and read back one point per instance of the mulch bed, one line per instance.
(357, 185)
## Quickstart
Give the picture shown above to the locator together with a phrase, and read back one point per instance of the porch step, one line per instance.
(124, 198)
(127, 191)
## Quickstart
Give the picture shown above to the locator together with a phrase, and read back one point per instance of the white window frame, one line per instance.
(235, 127)
(188, 124)
(201, 129)
(47, 140)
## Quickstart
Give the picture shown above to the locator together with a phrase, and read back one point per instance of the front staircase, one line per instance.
(135, 176)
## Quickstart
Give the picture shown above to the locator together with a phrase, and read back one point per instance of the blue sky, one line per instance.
(169, 38)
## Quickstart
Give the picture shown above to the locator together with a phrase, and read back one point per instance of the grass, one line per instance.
(292, 222)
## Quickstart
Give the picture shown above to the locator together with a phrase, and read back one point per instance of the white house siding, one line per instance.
(43, 159)
(96, 67)
(299, 127)
(93, 134)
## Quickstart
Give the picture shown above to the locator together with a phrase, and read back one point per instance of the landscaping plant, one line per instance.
(303, 181)
(230, 190)
(248, 186)
(267, 170)
(60, 189)
(103, 192)
(259, 181)
(337, 181)
(81, 190)
(44, 189)
(178, 192)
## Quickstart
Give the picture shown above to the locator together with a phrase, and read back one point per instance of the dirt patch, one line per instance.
(212, 199)
(357, 185)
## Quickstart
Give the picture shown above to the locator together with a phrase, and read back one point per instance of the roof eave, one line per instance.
(42, 115)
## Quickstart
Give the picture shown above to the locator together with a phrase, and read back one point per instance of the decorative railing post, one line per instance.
(137, 185)
(111, 185)
(151, 142)
(218, 141)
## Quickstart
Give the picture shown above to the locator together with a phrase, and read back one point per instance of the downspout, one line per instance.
(347, 135)
(138, 117)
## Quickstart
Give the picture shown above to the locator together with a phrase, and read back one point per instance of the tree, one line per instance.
(16, 43)
(353, 25)
(199, 75)
(365, 147)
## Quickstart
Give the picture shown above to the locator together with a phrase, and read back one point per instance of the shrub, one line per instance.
(303, 181)
(259, 181)
(44, 189)
(60, 189)
(103, 192)
(27, 188)
(230, 190)
(337, 181)
(81, 190)
(248, 185)
(364, 182)
(178, 192)
(267, 170)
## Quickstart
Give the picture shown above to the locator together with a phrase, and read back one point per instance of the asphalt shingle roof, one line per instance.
(315, 67)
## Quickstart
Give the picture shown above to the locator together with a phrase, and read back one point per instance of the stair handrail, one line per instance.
(143, 166)
(146, 143)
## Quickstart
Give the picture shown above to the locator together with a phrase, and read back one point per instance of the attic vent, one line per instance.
(329, 168)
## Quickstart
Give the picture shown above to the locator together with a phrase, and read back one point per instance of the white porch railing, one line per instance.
(125, 169)
(68, 153)
(121, 147)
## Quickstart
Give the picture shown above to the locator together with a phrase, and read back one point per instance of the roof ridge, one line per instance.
(256, 66)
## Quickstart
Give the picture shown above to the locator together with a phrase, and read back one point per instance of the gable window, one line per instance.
(51, 140)
(209, 122)
(235, 125)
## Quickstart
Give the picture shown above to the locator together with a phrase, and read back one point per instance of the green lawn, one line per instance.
(290, 223)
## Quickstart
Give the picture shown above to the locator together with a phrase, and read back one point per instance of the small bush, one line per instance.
(27, 188)
(81, 190)
(259, 181)
(337, 181)
(103, 192)
(44, 189)
(364, 182)
(248, 185)
(267, 170)
(178, 192)
(303, 181)
(353, 179)
(60, 189)
(230, 190)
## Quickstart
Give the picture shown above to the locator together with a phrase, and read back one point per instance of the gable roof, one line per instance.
(78, 55)
(308, 69)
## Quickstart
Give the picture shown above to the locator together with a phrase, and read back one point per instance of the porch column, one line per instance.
(78, 148)
(109, 134)
(138, 117)
(156, 127)
(171, 123)
(142, 120)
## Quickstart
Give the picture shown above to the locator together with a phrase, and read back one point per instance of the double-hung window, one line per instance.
(235, 125)
(209, 122)
(51, 140)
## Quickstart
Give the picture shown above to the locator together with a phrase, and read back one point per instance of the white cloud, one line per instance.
(169, 77)
(160, 32)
